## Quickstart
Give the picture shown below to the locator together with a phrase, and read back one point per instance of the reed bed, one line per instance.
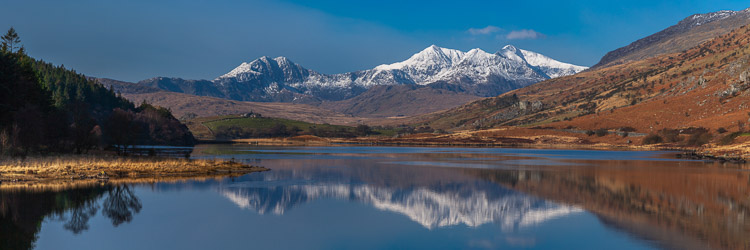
(105, 167)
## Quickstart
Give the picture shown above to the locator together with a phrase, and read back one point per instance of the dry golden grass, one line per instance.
(86, 168)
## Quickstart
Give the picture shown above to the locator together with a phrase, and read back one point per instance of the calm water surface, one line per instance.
(401, 198)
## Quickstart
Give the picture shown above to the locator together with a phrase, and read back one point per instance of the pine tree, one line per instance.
(11, 41)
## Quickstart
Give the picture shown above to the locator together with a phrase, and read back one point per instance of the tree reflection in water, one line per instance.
(23, 211)
(120, 204)
(79, 217)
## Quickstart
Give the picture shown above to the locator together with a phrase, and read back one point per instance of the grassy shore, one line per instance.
(72, 168)
(738, 151)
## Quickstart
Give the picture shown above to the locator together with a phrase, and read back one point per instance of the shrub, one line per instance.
(721, 130)
(728, 139)
(363, 130)
(590, 132)
(601, 132)
(699, 139)
(652, 139)
(628, 129)
(670, 135)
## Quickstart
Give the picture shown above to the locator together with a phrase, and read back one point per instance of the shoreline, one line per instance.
(74, 169)
(705, 153)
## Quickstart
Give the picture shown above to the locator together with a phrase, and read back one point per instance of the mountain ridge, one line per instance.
(687, 33)
(281, 80)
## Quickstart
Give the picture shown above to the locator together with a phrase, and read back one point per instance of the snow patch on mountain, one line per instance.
(509, 68)
(551, 67)
(699, 19)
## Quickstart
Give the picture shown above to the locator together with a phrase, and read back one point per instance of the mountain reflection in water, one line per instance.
(429, 207)
(651, 201)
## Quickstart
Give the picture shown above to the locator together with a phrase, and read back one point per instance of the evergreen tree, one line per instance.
(48, 108)
(11, 41)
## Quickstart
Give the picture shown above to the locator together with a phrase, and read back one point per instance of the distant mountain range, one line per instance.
(431, 80)
(474, 72)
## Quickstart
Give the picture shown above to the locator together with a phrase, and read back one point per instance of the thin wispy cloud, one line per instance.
(524, 34)
(484, 31)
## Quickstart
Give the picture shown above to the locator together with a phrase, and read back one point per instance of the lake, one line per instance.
(401, 198)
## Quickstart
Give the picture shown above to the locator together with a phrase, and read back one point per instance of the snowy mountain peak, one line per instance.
(512, 53)
(510, 48)
(244, 68)
(549, 66)
(477, 56)
(430, 57)
(477, 71)
(260, 66)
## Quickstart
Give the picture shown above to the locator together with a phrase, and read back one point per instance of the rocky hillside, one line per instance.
(686, 34)
(401, 100)
(706, 86)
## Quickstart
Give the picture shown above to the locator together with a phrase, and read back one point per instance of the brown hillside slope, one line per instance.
(399, 100)
(686, 34)
(705, 86)
(203, 106)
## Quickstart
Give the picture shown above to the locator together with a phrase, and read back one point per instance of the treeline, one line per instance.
(282, 130)
(46, 108)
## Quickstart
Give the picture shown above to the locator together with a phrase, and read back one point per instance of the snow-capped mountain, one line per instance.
(475, 72)
(551, 67)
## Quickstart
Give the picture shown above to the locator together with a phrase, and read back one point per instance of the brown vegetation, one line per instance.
(707, 87)
(59, 169)
(695, 199)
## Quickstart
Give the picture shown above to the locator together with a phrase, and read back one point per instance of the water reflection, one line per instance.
(23, 211)
(667, 203)
(120, 204)
(472, 205)
(674, 203)
(664, 201)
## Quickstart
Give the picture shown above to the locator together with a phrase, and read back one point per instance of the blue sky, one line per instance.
(137, 39)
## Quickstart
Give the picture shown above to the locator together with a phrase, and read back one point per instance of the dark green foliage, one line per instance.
(590, 132)
(11, 41)
(146, 125)
(24, 104)
(363, 130)
(47, 108)
(652, 139)
(263, 127)
(333, 132)
(121, 128)
(280, 130)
